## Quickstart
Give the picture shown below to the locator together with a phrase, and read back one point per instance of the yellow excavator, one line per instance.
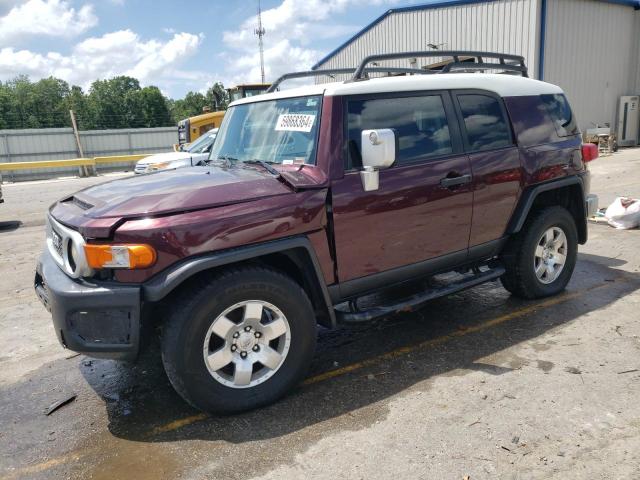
(191, 128)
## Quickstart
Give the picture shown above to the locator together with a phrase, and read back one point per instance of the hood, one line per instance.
(169, 191)
(164, 157)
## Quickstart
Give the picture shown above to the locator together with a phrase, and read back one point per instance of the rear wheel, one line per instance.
(540, 259)
(240, 340)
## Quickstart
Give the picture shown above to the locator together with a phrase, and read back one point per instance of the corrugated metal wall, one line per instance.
(507, 26)
(59, 143)
(591, 51)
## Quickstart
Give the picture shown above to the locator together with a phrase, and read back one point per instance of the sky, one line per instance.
(178, 46)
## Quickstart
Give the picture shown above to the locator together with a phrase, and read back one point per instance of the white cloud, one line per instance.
(291, 27)
(45, 17)
(117, 53)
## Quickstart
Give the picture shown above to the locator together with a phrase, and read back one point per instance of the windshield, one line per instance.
(275, 131)
(202, 144)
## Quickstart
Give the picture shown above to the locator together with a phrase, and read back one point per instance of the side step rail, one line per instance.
(416, 301)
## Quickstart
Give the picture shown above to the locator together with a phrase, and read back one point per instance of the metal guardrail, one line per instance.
(75, 162)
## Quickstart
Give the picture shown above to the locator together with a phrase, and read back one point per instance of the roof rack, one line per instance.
(516, 61)
(337, 71)
(460, 60)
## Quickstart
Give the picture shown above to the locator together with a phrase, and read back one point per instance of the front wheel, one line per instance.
(540, 259)
(240, 340)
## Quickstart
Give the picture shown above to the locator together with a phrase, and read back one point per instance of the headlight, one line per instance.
(120, 256)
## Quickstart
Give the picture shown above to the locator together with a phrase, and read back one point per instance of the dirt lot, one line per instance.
(478, 384)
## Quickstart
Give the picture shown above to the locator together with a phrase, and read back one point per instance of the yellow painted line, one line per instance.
(445, 338)
(176, 424)
(75, 162)
(30, 470)
(119, 159)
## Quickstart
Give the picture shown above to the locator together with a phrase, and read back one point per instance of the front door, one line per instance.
(418, 213)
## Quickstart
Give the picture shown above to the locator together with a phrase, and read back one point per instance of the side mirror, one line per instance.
(378, 152)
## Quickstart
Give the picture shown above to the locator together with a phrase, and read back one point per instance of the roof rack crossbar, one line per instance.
(339, 71)
(481, 66)
(454, 54)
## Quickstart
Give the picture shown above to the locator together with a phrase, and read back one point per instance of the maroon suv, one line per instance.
(311, 198)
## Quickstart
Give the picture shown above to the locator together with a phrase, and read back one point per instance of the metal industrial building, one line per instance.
(591, 48)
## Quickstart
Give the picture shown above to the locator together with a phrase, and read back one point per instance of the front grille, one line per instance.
(67, 249)
(57, 242)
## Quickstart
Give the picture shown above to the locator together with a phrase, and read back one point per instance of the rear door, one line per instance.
(495, 163)
(417, 213)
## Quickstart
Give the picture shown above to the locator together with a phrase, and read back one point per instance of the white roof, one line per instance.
(503, 85)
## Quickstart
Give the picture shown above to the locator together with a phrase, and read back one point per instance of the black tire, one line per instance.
(192, 314)
(520, 278)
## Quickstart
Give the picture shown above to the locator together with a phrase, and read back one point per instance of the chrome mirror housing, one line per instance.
(378, 152)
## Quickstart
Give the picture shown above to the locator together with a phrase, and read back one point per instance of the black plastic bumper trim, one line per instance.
(69, 300)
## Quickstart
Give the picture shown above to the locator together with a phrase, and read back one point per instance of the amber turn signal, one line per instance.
(119, 256)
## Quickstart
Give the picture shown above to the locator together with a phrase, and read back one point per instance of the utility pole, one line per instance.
(260, 31)
(82, 170)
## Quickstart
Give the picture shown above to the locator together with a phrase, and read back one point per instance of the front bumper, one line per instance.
(99, 319)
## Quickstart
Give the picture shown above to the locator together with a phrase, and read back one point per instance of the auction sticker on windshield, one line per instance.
(295, 122)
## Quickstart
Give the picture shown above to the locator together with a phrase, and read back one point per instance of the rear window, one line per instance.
(559, 110)
(420, 124)
(484, 121)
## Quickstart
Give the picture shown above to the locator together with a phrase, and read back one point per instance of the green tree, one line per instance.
(112, 103)
(154, 108)
(22, 103)
(78, 102)
(49, 107)
(218, 96)
(192, 104)
(5, 107)
(117, 102)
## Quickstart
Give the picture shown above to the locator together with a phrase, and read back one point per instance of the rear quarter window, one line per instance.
(557, 107)
(485, 124)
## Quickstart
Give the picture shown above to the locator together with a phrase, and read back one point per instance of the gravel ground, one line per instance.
(478, 384)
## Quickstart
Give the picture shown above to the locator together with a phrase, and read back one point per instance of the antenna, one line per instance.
(260, 31)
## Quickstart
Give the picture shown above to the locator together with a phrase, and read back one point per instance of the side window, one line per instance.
(420, 124)
(484, 122)
(560, 112)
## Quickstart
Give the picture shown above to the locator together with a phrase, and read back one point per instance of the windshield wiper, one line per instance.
(265, 165)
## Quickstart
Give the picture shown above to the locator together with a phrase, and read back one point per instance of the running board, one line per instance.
(418, 300)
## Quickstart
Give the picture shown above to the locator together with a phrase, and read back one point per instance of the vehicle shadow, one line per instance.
(451, 335)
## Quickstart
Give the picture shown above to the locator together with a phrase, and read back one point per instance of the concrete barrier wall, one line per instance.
(38, 144)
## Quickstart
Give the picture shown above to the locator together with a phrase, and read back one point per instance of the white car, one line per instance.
(194, 153)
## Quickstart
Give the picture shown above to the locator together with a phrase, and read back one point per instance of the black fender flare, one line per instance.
(529, 195)
(162, 284)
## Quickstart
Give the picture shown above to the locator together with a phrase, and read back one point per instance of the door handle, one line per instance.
(448, 182)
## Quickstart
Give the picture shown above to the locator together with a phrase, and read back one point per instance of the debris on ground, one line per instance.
(624, 213)
(60, 403)
(629, 371)
(573, 370)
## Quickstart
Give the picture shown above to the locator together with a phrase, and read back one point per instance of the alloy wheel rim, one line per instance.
(247, 344)
(550, 255)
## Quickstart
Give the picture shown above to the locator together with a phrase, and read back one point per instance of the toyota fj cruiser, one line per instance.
(311, 198)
